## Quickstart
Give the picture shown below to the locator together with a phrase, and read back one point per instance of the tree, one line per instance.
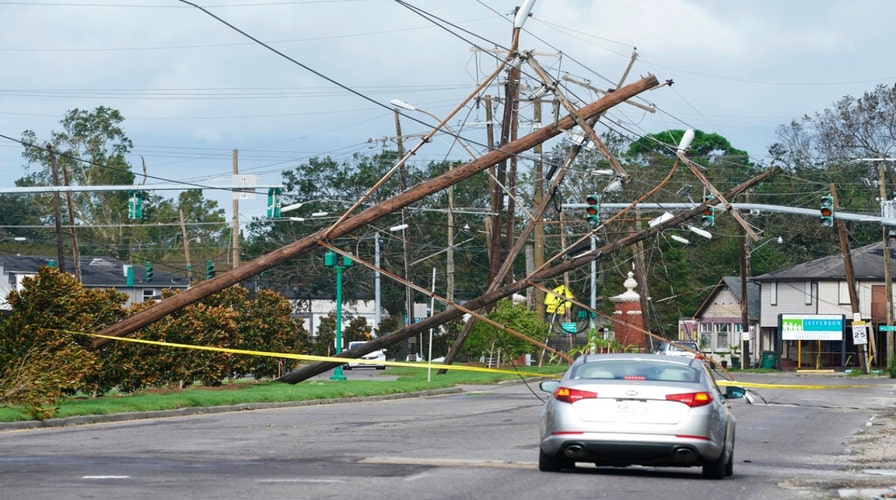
(206, 230)
(90, 150)
(486, 339)
(826, 148)
(42, 355)
(324, 186)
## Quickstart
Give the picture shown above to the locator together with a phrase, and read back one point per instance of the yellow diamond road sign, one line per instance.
(554, 302)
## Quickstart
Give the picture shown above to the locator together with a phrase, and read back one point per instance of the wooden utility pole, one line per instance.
(76, 257)
(57, 211)
(235, 222)
(408, 292)
(850, 274)
(538, 231)
(888, 270)
(370, 215)
(183, 232)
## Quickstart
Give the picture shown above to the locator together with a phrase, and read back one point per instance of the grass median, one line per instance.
(410, 379)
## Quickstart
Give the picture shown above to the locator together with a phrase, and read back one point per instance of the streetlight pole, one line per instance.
(331, 260)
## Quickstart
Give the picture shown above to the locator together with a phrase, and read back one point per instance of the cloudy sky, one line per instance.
(284, 81)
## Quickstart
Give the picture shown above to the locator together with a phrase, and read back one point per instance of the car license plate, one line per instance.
(629, 407)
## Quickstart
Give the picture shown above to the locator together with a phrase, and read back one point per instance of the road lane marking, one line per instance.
(448, 462)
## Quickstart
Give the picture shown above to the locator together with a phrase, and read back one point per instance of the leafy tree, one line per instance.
(89, 150)
(325, 341)
(264, 324)
(42, 357)
(229, 319)
(824, 149)
(485, 338)
(203, 221)
(324, 186)
(355, 329)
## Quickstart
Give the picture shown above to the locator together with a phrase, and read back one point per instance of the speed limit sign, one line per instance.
(859, 333)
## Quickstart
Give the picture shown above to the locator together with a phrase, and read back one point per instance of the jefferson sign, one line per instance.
(811, 327)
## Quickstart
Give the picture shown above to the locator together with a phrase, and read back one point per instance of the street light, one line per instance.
(331, 259)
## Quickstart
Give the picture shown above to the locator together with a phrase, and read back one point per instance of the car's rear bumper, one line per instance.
(627, 450)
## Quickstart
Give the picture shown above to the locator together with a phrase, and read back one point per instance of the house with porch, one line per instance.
(717, 322)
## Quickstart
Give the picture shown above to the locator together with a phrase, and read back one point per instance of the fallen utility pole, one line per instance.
(372, 214)
(540, 275)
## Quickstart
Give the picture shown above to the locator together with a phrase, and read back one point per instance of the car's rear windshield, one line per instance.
(682, 346)
(636, 370)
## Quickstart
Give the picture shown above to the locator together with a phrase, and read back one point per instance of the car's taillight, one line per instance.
(691, 399)
(568, 395)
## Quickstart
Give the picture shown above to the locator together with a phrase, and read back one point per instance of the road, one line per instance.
(475, 444)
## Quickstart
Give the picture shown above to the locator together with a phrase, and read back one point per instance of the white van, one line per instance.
(378, 355)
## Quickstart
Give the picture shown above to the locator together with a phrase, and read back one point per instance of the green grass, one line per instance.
(244, 392)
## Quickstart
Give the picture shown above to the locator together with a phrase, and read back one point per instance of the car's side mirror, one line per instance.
(549, 385)
(734, 392)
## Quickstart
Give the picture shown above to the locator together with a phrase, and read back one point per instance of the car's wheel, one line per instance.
(380, 367)
(346, 367)
(547, 463)
(729, 466)
(715, 469)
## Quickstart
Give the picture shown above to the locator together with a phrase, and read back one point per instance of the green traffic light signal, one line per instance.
(209, 269)
(149, 272)
(593, 210)
(827, 211)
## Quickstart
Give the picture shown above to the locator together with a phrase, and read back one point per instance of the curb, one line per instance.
(204, 410)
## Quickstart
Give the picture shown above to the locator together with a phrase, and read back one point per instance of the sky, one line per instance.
(284, 81)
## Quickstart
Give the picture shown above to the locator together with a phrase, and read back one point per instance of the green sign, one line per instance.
(887, 328)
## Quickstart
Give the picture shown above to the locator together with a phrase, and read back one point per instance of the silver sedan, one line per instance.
(645, 409)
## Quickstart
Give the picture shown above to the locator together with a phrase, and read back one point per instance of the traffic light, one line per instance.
(149, 272)
(708, 219)
(135, 205)
(827, 211)
(593, 210)
(209, 269)
(274, 203)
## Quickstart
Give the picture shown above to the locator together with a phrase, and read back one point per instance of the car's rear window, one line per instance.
(640, 370)
(678, 346)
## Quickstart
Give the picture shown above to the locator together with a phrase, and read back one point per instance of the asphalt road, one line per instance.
(479, 443)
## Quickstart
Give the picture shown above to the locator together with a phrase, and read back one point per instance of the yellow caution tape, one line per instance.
(440, 366)
(787, 386)
(308, 357)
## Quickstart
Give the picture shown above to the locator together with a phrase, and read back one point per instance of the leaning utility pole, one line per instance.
(372, 214)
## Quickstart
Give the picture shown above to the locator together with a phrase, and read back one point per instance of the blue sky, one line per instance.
(193, 89)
